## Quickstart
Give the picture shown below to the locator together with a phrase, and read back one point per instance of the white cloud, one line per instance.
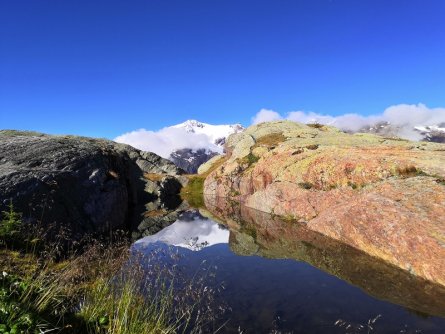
(266, 115)
(167, 140)
(403, 116)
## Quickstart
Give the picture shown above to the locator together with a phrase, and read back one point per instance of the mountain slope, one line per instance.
(190, 159)
(188, 144)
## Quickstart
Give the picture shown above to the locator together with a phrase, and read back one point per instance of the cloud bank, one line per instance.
(167, 140)
(404, 117)
(265, 115)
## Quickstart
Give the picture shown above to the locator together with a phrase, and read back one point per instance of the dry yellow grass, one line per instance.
(155, 177)
(272, 139)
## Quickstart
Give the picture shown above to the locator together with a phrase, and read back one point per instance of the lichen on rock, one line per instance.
(381, 195)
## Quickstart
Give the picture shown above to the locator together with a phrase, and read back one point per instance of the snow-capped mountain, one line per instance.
(216, 133)
(381, 128)
(190, 159)
(431, 133)
(188, 144)
(191, 231)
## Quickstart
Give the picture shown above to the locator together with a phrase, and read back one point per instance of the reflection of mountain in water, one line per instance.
(191, 231)
(256, 233)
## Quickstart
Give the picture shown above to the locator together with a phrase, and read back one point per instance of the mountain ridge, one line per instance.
(190, 159)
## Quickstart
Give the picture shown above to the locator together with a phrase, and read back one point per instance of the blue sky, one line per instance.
(102, 68)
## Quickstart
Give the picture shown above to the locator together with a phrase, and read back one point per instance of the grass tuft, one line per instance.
(269, 140)
(409, 171)
(155, 177)
(95, 292)
(251, 159)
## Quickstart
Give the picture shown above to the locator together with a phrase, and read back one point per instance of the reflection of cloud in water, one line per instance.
(193, 234)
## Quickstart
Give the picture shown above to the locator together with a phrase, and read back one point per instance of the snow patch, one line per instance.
(191, 134)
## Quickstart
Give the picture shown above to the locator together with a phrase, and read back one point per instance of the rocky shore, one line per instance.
(253, 232)
(384, 196)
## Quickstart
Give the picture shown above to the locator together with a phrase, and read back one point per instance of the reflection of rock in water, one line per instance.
(191, 215)
(157, 215)
(191, 230)
(253, 232)
(152, 217)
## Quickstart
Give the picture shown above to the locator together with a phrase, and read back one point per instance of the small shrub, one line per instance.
(312, 147)
(352, 185)
(306, 185)
(316, 125)
(289, 218)
(235, 193)
(10, 225)
(409, 171)
(252, 159)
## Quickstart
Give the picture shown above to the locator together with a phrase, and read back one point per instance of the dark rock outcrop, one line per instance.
(84, 184)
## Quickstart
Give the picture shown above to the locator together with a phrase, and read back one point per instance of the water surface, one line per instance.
(274, 276)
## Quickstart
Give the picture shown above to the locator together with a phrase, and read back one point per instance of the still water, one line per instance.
(275, 276)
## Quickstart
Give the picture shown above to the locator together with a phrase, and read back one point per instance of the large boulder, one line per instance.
(385, 196)
(84, 184)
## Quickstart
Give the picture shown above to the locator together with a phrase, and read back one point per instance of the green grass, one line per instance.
(120, 308)
(193, 191)
(30, 304)
(86, 293)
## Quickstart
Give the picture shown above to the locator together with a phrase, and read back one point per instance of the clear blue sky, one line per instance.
(101, 68)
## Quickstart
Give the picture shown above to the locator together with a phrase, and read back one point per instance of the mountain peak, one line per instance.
(215, 132)
(191, 124)
(212, 138)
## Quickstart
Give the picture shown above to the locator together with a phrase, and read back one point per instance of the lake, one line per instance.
(269, 275)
